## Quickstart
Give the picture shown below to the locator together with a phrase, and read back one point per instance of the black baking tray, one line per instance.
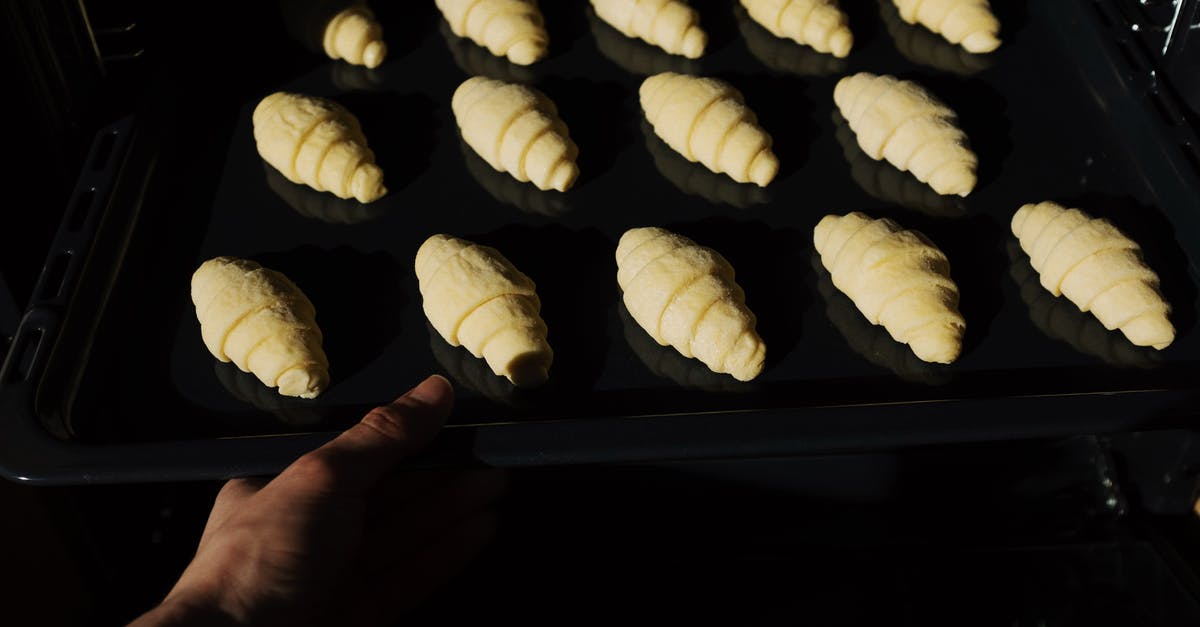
(108, 379)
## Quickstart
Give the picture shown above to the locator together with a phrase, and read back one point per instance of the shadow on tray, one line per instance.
(769, 264)
(1060, 319)
(634, 55)
(784, 55)
(697, 180)
(508, 190)
(924, 47)
(872, 341)
(357, 296)
(883, 181)
(402, 131)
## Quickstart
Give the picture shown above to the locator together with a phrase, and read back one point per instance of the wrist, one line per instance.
(182, 611)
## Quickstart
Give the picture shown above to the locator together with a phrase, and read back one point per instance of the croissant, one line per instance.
(706, 120)
(475, 298)
(319, 143)
(516, 129)
(669, 24)
(817, 23)
(967, 22)
(262, 322)
(896, 278)
(684, 295)
(901, 122)
(1098, 268)
(354, 35)
(507, 28)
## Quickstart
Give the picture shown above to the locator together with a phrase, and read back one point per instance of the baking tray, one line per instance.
(108, 380)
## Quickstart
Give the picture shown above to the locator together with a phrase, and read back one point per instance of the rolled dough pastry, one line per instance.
(1098, 268)
(897, 278)
(684, 295)
(475, 298)
(262, 322)
(318, 143)
(706, 120)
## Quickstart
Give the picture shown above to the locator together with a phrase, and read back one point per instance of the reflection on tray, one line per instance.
(472, 372)
(924, 47)
(1060, 319)
(870, 340)
(508, 190)
(880, 179)
(697, 180)
(634, 55)
(322, 206)
(784, 55)
(475, 60)
(666, 362)
(347, 77)
(247, 388)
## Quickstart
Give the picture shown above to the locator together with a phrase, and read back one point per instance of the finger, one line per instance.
(401, 530)
(353, 462)
(386, 597)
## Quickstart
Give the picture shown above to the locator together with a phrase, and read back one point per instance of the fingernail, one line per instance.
(432, 391)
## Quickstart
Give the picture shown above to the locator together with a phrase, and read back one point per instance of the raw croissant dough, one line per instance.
(897, 279)
(669, 24)
(262, 322)
(507, 28)
(684, 295)
(817, 23)
(354, 35)
(1098, 268)
(967, 22)
(475, 298)
(516, 129)
(706, 120)
(319, 143)
(901, 122)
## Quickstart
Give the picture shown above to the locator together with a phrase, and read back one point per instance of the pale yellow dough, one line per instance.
(317, 142)
(672, 25)
(897, 278)
(507, 28)
(684, 295)
(354, 35)
(706, 120)
(475, 298)
(1098, 268)
(516, 129)
(901, 122)
(262, 322)
(970, 23)
(816, 23)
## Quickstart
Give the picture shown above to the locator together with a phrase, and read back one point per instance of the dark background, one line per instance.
(1081, 531)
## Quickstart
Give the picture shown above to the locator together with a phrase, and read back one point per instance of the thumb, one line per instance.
(354, 461)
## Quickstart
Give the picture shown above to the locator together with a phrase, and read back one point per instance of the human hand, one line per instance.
(338, 537)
